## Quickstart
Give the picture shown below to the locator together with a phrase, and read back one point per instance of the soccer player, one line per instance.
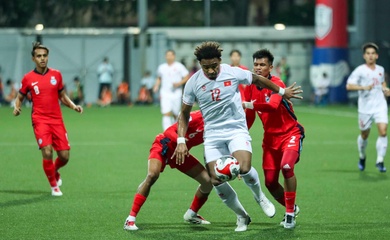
(171, 76)
(46, 88)
(160, 156)
(283, 135)
(368, 79)
(215, 87)
(235, 61)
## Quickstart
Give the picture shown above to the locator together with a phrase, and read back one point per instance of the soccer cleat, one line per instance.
(289, 221)
(267, 206)
(296, 212)
(381, 167)
(242, 223)
(56, 192)
(362, 164)
(194, 219)
(130, 225)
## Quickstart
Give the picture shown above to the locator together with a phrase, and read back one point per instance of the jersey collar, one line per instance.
(35, 70)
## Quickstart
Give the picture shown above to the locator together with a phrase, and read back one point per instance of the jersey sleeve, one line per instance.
(60, 82)
(159, 74)
(183, 71)
(188, 93)
(354, 77)
(243, 76)
(24, 86)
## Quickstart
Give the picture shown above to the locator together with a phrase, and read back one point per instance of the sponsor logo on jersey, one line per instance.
(227, 83)
(53, 80)
(34, 83)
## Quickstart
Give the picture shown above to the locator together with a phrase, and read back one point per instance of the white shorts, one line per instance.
(365, 120)
(219, 148)
(170, 103)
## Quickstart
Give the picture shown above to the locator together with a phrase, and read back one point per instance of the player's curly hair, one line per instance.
(38, 45)
(264, 53)
(370, 45)
(208, 50)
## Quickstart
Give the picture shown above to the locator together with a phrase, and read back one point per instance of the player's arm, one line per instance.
(385, 89)
(182, 82)
(157, 84)
(69, 103)
(290, 92)
(181, 150)
(357, 87)
(18, 104)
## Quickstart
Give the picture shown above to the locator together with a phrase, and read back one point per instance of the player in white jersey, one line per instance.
(171, 76)
(215, 87)
(369, 80)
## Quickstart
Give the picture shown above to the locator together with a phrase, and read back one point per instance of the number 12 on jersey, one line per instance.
(215, 94)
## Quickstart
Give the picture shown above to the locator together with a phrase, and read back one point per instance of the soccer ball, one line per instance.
(227, 168)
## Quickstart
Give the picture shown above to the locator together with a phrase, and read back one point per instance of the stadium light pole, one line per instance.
(207, 13)
(142, 25)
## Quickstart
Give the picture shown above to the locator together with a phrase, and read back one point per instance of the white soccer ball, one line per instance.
(227, 168)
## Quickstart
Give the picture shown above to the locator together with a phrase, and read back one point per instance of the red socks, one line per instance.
(197, 203)
(57, 165)
(48, 167)
(290, 201)
(139, 200)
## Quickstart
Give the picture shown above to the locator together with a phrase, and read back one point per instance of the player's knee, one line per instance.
(152, 177)
(47, 152)
(288, 173)
(245, 167)
(271, 185)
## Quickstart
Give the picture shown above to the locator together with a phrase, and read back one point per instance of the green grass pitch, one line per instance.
(108, 161)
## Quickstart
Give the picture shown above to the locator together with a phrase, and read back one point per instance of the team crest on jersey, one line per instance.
(266, 98)
(204, 88)
(53, 80)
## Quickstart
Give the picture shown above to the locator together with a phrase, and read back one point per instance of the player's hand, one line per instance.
(386, 91)
(292, 92)
(181, 152)
(176, 85)
(79, 109)
(369, 87)
(17, 111)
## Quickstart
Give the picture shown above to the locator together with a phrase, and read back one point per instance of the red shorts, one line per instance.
(51, 134)
(275, 145)
(162, 149)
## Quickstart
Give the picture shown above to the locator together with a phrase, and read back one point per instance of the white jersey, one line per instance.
(219, 100)
(370, 101)
(170, 74)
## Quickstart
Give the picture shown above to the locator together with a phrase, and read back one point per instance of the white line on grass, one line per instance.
(336, 113)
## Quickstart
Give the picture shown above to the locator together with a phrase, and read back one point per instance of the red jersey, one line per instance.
(45, 91)
(194, 135)
(275, 112)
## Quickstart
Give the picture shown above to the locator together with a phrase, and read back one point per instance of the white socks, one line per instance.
(167, 121)
(362, 144)
(229, 197)
(381, 147)
(251, 179)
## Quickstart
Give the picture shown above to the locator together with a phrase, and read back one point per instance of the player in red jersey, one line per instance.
(235, 59)
(283, 135)
(46, 88)
(160, 155)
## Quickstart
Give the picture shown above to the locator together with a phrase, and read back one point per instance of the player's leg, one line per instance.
(62, 146)
(291, 151)
(271, 169)
(154, 168)
(43, 135)
(195, 170)
(365, 121)
(241, 149)
(381, 120)
(223, 189)
(166, 105)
